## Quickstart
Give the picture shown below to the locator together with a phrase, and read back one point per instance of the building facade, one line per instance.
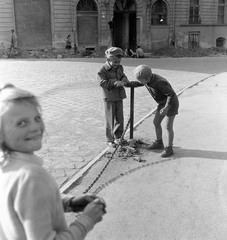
(152, 24)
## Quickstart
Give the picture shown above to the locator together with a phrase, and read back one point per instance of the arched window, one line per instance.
(159, 13)
(124, 6)
(220, 42)
(86, 5)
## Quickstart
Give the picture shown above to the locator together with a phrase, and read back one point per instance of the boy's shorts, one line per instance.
(173, 110)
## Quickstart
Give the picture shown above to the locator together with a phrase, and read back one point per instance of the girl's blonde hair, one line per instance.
(11, 94)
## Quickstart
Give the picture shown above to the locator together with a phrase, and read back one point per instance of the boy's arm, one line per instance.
(104, 82)
(125, 80)
(133, 84)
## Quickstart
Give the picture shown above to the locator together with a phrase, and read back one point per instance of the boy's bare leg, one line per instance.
(169, 127)
(157, 123)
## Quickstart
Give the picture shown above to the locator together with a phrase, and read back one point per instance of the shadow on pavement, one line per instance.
(195, 153)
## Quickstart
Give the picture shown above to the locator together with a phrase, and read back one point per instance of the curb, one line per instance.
(67, 185)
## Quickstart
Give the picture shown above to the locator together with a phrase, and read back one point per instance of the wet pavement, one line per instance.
(73, 108)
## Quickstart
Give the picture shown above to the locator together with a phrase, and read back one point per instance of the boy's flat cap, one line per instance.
(114, 52)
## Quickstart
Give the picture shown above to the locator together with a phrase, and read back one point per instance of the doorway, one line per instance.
(124, 24)
(87, 23)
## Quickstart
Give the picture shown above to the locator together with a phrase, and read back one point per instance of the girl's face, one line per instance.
(114, 63)
(22, 127)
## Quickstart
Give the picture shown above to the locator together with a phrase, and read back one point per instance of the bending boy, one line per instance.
(168, 104)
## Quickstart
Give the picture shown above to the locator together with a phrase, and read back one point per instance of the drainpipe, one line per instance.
(174, 23)
(73, 17)
(110, 23)
(107, 4)
(143, 27)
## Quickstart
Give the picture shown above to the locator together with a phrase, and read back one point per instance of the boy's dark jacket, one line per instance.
(107, 78)
(161, 90)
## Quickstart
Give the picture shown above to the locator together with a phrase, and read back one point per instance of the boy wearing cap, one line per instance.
(168, 104)
(112, 80)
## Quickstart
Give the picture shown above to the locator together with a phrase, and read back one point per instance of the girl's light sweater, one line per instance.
(31, 206)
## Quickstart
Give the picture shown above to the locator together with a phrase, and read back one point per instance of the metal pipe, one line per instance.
(131, 112)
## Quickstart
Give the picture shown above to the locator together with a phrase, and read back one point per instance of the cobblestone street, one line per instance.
(73, 108)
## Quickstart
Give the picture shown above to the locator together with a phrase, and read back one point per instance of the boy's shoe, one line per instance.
(158, 144)
(112, 144)
(120, 141)
(168, 151)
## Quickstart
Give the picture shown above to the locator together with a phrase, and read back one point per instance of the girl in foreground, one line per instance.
(31, 207)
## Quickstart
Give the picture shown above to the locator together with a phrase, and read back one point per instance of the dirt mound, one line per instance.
(47, 53)
(63, 53)
(195, 52)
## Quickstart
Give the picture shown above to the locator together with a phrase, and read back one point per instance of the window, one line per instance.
(159, 13)
(124, 6)
(87, 23)
(86, 5)
(221, 11)
(220, 42)
(193, 39)
(194, 12)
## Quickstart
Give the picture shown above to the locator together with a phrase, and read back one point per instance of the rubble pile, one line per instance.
(132, 148)
(48, 53)
(194, 52)
(53, 53)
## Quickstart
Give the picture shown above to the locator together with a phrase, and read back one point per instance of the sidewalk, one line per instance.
(182, 197)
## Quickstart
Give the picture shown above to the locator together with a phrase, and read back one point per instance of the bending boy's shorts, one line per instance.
(173, 110)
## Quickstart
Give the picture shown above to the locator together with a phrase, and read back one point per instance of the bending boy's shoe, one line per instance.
(120, 141)
(117, 141)
(168, 151)
(158, 144)
(112, 144)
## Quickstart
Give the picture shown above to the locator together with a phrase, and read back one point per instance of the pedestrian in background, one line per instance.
(13, 43)
(129, 53)
(112, 80)
(139, 52)
(30, 204)
(168, 104)
(68, 43)
(13, 39)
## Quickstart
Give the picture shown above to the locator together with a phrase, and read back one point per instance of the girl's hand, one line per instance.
(78, 204)
(95, 210)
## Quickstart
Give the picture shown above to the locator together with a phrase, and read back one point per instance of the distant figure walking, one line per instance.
(13, 43)
(13, 39)
(68, 45)
(139, 52)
